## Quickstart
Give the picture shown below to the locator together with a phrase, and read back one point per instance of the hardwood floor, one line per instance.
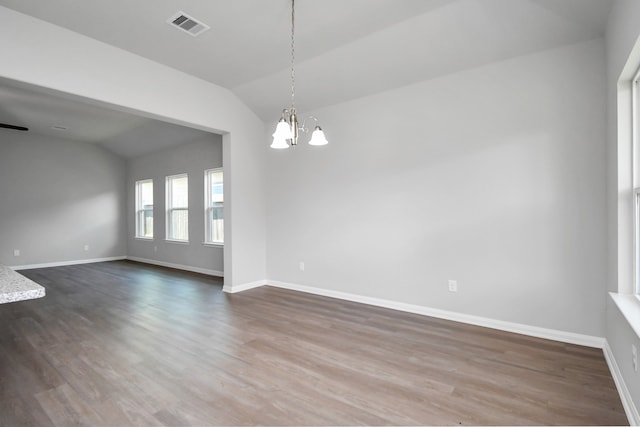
(123, 343)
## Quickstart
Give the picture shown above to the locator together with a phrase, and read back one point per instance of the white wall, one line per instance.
(622, 36)
(494, 177)
(56, 196)
(193, 159)
(60, 60)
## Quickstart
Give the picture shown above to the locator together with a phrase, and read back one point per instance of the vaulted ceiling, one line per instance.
(344, 48)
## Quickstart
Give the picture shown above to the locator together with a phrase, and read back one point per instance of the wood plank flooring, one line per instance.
(122, 343)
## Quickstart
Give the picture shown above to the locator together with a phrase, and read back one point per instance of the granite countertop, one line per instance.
(15, 287)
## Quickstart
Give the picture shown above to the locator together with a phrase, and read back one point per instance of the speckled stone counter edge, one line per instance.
(15, 287)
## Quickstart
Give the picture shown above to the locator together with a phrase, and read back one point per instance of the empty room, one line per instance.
(319, 212)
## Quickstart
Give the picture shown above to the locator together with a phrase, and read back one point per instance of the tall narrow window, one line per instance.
(177, 188)
(144, 209)
(635, 173)
(213, 206)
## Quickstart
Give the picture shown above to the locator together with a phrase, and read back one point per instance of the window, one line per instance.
(213, 206)
(177, 188)
(144, 209)
(635, 174)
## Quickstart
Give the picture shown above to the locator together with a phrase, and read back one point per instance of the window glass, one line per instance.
(144, 209)
(177, 187)
(214, 206)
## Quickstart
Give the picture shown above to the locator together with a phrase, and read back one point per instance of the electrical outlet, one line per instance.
(453, 286)
(16, 252)
(86, 247)
(155, 249)
(634, 357)
(301, 265)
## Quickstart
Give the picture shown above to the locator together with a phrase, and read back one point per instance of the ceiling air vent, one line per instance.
(188, 24)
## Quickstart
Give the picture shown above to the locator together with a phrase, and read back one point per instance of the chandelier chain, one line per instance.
(293, 71)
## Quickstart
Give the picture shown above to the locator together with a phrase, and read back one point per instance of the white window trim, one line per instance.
(138, 185)
(635, 152)
(627, 297)
(207, 231)
(214, 245)
(636, 241)
(168, 209)
(178, 242)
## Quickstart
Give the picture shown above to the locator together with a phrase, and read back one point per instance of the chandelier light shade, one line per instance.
(282, 133)
(279, 143)
(283, 130)
(288, 128)
(317, 137)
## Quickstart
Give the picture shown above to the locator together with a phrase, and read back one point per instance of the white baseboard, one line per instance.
(551, 334)
(625, 396)
(63, 263)
(178, 266)
(243, 287)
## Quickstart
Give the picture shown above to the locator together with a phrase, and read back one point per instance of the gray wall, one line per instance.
(622, 35)
(57, 196)
(494, 177)
(192, 158)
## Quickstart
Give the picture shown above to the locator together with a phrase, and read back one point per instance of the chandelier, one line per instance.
(288, 128)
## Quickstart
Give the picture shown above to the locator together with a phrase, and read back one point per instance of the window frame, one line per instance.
(170, 209)
(636, 240)
(208, 226)
(635, 173)
(139, 209)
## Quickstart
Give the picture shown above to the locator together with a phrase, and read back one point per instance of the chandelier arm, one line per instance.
(304, 123)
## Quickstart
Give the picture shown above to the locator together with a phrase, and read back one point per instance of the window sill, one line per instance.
(144, 239)
(629, 306)
(179, 242)
(213, 245)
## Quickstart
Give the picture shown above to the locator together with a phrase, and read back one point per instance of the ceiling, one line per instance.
(56, 115)
(345, 49)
